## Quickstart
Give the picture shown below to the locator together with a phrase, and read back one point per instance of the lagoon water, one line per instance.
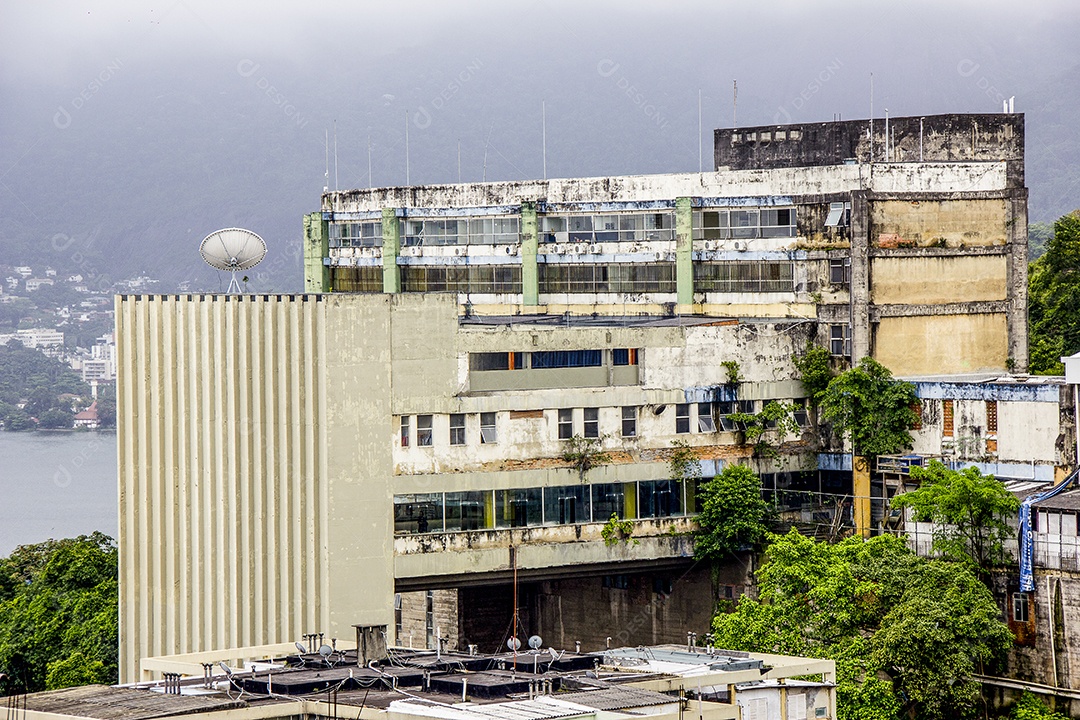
(56, 485)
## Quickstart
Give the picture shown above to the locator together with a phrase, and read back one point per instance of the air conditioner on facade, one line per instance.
(594, 249)
(709, 245)
(740, 245)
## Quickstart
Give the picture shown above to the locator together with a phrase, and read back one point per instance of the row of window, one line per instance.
(744, 223)
(741, 276)
(607, 277)
(461, 231)
(356, 234)
(480, 279)
(551, 359)
(536, 506)
(705, 417)
(623, 227)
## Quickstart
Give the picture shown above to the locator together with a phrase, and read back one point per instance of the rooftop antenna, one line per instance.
(871, 117)
(734, 104)
(543, 123)
(233, 250)
(486, 143)
(335, 158)
(699, 165)
(369, 161)
(326, 174)
(407, 148)
(459, 160)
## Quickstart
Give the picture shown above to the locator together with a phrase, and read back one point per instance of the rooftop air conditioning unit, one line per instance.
(740, 245)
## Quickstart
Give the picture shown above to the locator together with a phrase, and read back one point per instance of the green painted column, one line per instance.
(530, 278)
(391, 247)
(316, 248)
(684, 253)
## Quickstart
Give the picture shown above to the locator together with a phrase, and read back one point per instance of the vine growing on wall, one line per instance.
(734, 374)
(768, 429)
(617, 531)
(683, 463)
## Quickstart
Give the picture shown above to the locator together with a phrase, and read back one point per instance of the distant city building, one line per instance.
(24, 270)
(87, 418)
(101, 365)
(33, 284)
(36, 337)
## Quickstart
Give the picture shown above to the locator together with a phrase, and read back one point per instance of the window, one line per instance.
(991, 417)
(682, 418)
(1020, 607)
(609, 277)
(460, 278)
(802, 417)
(418, 513)
(661, 586)
(626, 227)
(356, 234)
(365, 278)
(947, 418)
(621, 356)
(839, 340)
(629, 421)
(839, 215)
(723, 224)
(457, 429)
(840, 271)
(429, 617)
(496, 361)
(423, 430)
(405, 431)
(659, 498)
(608, 499)
(488, 433)
(465, 510)
(566, 505)
(567, 359)
(705, 421)
(397, 618)
(616, 582)
(592, 423)
(741, 276)
(566, 423)
(518, 508)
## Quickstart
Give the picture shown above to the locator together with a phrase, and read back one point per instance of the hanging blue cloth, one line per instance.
(1027, 544)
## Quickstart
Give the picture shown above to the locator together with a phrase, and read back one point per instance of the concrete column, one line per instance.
(1017, 292)
(860, 277)
(316, 248)
(391, 248)
(530, 277)
(684, 257)
(860, 476)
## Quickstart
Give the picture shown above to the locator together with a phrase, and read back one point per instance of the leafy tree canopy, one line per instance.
(732, 514)
(871, 407)
(58, 614)
(31, 375)
(1054, 299)
(970, 512)
(815, 372)
(907, 633)
(1029, 707)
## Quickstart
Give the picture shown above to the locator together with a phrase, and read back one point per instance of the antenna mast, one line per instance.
(407, 148)
(734, 104)
(543, 122)
(336, 186)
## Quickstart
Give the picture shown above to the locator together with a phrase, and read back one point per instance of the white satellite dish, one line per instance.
(535, 642)
(514, 644)
(233, 250)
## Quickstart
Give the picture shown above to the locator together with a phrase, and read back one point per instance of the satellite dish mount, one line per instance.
(233, 250)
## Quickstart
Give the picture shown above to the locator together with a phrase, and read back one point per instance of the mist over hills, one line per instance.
(130, 131)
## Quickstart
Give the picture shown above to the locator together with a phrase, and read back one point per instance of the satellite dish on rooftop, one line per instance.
(535, 642)
(301, 648)
(514, 644)
(233, 250)
(326, 651)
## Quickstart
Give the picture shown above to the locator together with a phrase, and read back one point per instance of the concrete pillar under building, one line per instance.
(391, 248)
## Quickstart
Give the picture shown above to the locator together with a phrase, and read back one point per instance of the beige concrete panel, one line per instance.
(926, 223)
(1028, 431)
(936, 280)
(941, 344)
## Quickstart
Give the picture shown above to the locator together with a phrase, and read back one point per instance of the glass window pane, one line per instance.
(467, 511)
(518, 508)
(418, 513)
(608, 498)
(659, 498)
(566, 505)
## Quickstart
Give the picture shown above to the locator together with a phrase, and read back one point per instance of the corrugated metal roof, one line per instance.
(121, 703)
(619, 698)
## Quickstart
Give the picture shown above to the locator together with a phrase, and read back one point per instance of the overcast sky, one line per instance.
(226, 106)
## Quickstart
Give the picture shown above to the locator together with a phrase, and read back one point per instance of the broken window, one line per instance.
(566, 423)
(682, 418)
(592, 423)
(629, 421)
(839, 340)
(802, 417)
(705, 421)
(405, 431)
(457, 429)
(839, 215)
(488, 434)
(423, 430)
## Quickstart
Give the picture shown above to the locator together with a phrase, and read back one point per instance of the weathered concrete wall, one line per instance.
(1052, 657)
(944, 222)
(952, 137)
(444, 620)
(938, 280)
(929, 345)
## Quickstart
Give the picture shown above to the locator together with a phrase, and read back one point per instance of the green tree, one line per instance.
(815, 372)
(56, 419)
(1039, 236)
(1054, 299)
(970, 512)
(732, 516)
(18, 419)
(58, 614)
(907, 633)
(872, 408)
(1029, 707)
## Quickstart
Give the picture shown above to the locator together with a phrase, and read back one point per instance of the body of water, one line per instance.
(56, 485)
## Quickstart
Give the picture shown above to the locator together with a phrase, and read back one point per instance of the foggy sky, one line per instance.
(149, 124)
